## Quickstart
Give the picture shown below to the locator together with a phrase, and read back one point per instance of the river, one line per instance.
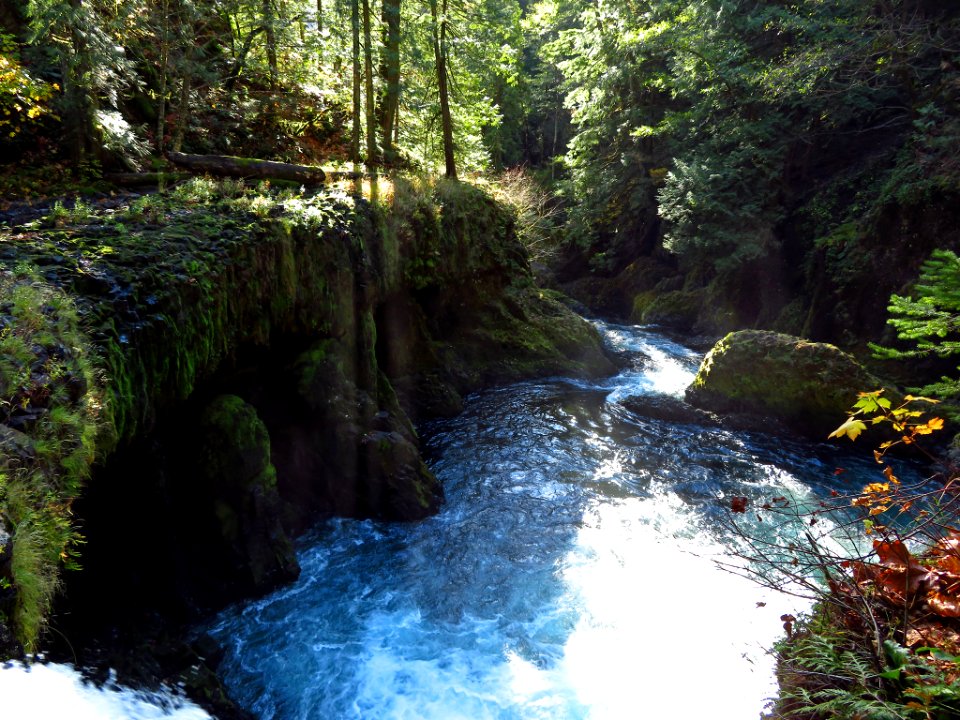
(571, 574)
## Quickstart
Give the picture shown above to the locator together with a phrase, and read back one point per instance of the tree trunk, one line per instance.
(372, 159)
(268, 24)
(163, 65)
(440, 58)
(248, 168)
(80, 100)
(355, 31)
(389, 76)
(183, 110)
(241, 59)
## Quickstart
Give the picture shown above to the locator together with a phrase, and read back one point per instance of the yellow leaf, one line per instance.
(888, 473)
(878, 509)
(851, 428)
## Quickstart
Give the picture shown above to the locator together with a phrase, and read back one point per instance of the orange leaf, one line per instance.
(888, 474)
(894, 554)
(943, 604)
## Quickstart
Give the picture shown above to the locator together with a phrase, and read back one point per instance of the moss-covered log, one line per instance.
(227, 165)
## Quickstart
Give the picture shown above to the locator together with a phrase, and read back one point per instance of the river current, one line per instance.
(572, 573)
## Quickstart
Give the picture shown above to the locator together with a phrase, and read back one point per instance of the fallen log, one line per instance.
(248, 168)
(148, 178)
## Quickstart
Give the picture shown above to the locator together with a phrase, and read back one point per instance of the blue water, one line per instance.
(571, 573)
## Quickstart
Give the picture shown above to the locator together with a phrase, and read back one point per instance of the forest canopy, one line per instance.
(782, 138)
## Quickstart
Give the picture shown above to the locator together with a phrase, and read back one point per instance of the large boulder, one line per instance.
(808, 386)
(239, 494)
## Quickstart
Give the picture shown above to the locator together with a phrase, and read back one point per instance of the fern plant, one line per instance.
(931, 320)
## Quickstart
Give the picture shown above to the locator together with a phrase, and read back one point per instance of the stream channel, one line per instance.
(571, 574)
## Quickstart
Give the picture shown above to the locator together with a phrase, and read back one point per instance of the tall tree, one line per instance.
(355, 34)
(389, 76)
(439, 17)
(370, 106)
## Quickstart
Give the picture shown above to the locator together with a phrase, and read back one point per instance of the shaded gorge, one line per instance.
(571, 573)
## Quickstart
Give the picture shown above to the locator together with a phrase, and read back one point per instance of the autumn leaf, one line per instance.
(932, 425)
(894, 554)
(944, 605)
(738, 504)
(888, 474)
(851, 428)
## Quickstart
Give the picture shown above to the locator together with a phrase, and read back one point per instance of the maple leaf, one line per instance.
(944, 605)
(893, 554)
(738, 504)
(851, 428)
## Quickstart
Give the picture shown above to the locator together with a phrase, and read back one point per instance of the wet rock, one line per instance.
(808, 386)
(343, 445)
(240, 489)
(15, 446)
(677, 309)
(668, 409)
(397, 482)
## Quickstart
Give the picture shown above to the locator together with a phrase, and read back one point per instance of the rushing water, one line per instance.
(571, 573)
(42, 691)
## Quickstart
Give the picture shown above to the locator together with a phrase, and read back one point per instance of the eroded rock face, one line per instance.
(808, 386)
(343, 445)
(239, 490)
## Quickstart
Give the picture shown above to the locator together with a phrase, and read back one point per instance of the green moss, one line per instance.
(237, 444)
(677, 308)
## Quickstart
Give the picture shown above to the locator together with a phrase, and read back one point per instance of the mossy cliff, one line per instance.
(240, 363)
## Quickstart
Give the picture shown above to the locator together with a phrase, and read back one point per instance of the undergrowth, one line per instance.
(50, 410)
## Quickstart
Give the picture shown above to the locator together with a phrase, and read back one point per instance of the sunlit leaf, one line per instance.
(851, 428)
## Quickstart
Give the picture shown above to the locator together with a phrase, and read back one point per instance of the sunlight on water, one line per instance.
(58, 692)
(659, 618)
(664, 367)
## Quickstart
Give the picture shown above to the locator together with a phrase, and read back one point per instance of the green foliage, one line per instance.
(48, 387)
(724, 116)
(930, 321)
(826, 672)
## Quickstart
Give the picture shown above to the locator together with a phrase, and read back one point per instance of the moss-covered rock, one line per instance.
(240, 490)
(809, 386)
(678, 309)
(322, 428)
